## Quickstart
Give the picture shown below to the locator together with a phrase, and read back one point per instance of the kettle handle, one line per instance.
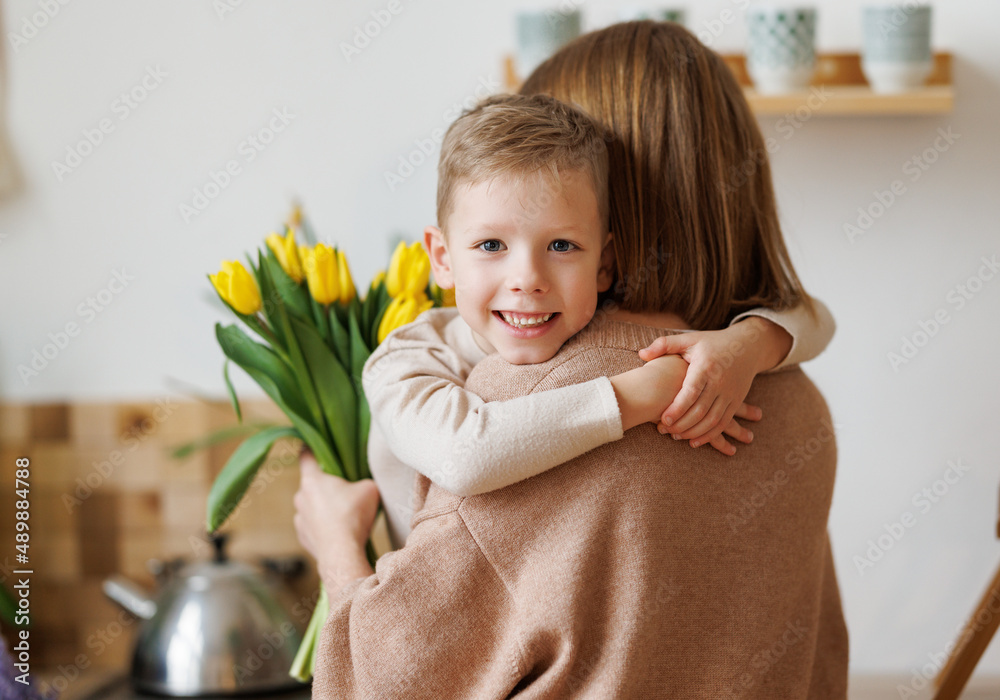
(129, 596)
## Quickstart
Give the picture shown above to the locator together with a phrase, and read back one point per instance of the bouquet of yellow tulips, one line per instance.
(318, 333)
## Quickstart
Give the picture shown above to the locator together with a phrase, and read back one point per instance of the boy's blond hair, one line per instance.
(515, 136)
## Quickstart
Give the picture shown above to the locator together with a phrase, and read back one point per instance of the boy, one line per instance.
(523, 209)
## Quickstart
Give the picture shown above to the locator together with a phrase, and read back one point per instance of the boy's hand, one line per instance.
(644, 392)
(333, 519)
(723, 366)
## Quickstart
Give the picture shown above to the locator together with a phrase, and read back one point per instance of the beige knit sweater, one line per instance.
(414, 382)
(642, 569)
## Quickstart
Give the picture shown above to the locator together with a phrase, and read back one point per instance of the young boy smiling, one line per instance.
(524, 237)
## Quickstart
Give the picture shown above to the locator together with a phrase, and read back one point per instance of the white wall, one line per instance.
(352, 121)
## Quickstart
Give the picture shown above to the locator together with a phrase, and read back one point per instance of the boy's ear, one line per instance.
(606, 273)
(437, 251)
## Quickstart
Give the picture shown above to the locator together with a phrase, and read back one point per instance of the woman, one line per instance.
(683, 135)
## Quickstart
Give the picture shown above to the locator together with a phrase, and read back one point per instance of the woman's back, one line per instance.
(647, 569)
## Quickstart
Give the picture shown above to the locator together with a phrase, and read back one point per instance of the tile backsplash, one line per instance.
(107, 497)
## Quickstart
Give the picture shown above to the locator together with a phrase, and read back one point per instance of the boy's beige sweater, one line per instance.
(643, 569)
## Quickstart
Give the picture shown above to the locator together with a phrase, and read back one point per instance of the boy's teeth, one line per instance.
(519, 321)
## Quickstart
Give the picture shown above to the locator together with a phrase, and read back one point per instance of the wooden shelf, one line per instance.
(838, 88)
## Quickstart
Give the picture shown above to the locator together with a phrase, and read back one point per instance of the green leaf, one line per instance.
(235, 477)
(359, 356)
(319, 314)
(271, 302)
(278, 381)
(232, 392)
(340, 341)
(336, 394)
(222, 435)
(307, 388)
(8, 606)
(239, 348)
(383, 304)
(290, 292)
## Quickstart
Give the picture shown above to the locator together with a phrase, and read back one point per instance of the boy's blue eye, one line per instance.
(562, 246)
(490, 246)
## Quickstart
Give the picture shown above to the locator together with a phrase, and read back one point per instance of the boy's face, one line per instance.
(527, 259)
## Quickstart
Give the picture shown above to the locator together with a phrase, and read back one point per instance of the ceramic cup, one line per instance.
(666, 14)
(896, 54)
(781, 52)
(541, 33)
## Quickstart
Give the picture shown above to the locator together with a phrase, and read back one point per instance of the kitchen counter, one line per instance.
(113, 685)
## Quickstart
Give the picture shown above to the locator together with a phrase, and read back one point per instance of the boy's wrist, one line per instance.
(770, 342)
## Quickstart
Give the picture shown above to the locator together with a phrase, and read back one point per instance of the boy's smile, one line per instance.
(527, 258)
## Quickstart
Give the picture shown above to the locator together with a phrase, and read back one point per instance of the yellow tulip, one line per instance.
(409, 270)
(237, 287)
(402, 310)
(447, 296)
(321, 273)
(295, 217)
(285, 251)
(347, 290)
(378, 279)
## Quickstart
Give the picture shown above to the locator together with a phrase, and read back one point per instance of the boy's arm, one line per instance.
(724, 363)
(415, 380)
(809, 335)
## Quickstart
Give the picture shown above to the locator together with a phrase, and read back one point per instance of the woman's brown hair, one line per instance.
(692, 206)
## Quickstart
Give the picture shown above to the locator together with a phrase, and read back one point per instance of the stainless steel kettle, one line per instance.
(216, 628)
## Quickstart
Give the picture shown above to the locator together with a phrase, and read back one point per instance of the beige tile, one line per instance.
(135, 552)
(15, 425)
(250, 546)
(57, 558)
(181, 419)
(140, 467)
(52, 510)
(54, 466)
(98, 534)
(141, 512)
(48, 422)
(184, 507)
(93, 423)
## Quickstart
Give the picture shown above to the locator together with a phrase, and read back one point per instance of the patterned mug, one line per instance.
(897, 46)
(781, 49)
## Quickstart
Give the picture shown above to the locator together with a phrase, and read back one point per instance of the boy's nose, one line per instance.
(527, 276)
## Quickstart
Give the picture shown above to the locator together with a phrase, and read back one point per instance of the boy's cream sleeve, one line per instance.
(415, 384)
(810, 336)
